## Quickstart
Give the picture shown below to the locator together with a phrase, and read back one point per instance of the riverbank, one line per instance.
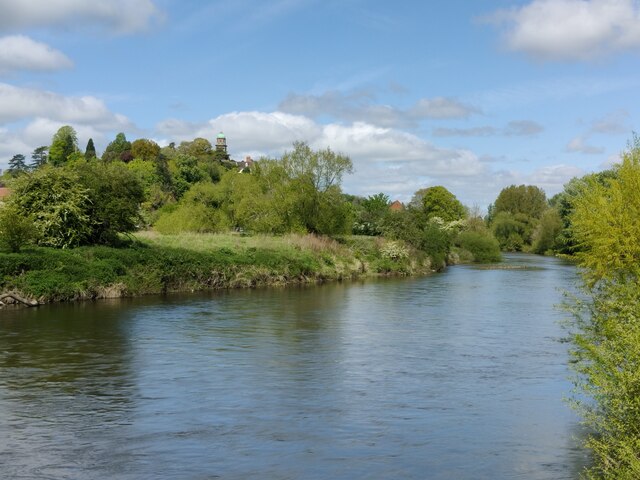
(153, 263)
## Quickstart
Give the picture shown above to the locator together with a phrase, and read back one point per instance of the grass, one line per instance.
(153, 263)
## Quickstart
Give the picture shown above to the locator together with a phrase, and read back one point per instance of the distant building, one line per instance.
(246, 164)
(396, 206)
(221, 143)
(4, 193)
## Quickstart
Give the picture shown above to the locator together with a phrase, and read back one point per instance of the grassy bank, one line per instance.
(154, 263)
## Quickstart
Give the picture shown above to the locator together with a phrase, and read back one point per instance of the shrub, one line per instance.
(484, 248)
(16, 230)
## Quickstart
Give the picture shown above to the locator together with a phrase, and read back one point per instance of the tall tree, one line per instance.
(438, 202)
(90, 151)
(17, 164)
(39, 157)
(145, 149)
(63, 145)
(119, 149)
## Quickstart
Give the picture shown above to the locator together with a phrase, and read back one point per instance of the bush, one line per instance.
(16, 230)
(484, 248)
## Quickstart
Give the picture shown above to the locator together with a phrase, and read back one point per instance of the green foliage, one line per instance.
(16, 230)
(145, 149)
(200, 148)
(438, 202)
(90, 151)
(525, 199)
(607, 341)
(115, 194)
(547, 236)
(58, 203)
(118, 149)
(39, 157)
(370, 213)
(436, 243)
(63, 144)
(197, 212)
(17, 165)
(484, 247)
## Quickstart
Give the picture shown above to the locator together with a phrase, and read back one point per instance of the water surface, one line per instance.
(459, 375)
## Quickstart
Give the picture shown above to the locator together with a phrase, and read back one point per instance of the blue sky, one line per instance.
(474, 96)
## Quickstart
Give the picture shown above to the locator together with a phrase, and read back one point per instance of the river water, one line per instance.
(459, 375)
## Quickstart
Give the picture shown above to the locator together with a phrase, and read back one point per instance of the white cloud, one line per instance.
(579, 145)
(522, 128)
(441, 107)
(612, 123)
(571, 29)
(360, 106)
(516, 128)
(18, 52)
(119, 16)
(17, 103)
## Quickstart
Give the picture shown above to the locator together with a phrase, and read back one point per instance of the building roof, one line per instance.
(4, 192)
(397, 205)
(221, 135)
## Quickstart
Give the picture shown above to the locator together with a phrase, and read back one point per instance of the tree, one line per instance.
(58, 204)
(371, 214)
(438, 202)
(118, 149)
(527, 199)
(114, 193)
(199, 147)
(316, 177)
(39, 157)
(17, 165)
(606, 353)
(90, 151)
(16, 230)
(63, 144)
(145, 149)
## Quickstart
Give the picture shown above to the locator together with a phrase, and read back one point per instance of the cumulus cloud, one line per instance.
(571, 29)
(18, 52)
(360, 106)
(18, 103)
(579, 145)
(119, 16)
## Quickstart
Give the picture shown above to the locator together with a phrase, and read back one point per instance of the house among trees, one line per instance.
(4, 193)
(396, 206)
(246, 164)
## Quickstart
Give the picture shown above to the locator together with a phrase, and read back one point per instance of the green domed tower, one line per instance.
(221, 143)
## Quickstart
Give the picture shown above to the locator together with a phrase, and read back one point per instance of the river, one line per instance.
(459, 375)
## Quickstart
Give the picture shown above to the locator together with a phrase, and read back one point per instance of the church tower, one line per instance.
(221, 143)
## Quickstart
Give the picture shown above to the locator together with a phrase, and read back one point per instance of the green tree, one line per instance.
(118, 149)
(63, 144)
(145, 149)
(58, 204)
(199, 148)
(606, 354)
(39, 157)
(438, 202)
(16, 230)
(371, 213)
(526, 199)
(90, 151)
(17, 165)
(547, 236)
(316, 177)
(115, 194)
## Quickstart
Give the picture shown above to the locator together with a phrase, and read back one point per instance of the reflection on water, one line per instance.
(459, 375)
